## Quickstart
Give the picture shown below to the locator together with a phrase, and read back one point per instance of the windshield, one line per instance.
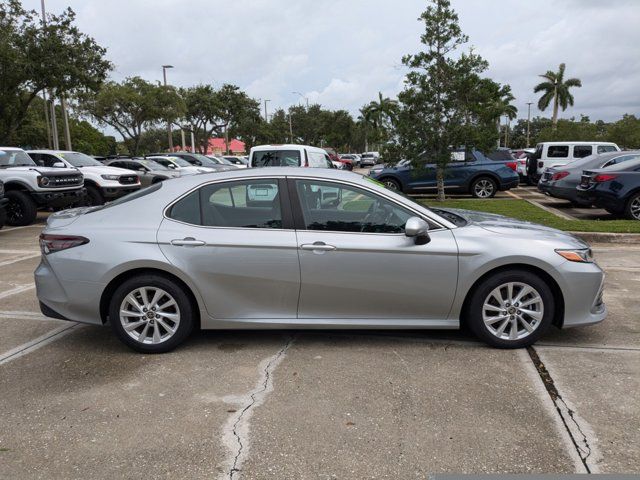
(15, 158)
(80, 159)
(176, 160)
(152, 165)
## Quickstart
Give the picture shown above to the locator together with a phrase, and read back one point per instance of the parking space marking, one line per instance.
(235, 436)
(39, 342)
(550, 406)
(18, 289)
(19, 259)
(11, 229)
(18, 252)
(19, 315)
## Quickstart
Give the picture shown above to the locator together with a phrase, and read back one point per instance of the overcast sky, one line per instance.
(340, 53)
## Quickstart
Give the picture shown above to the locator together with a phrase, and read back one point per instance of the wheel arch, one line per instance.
(124, 276)
(485, 173)
(13, 185)
(558, 297)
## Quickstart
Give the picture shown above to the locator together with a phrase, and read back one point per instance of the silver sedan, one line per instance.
(304, 248)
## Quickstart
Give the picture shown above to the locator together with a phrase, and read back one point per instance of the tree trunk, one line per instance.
(555, 111)
(440, 182)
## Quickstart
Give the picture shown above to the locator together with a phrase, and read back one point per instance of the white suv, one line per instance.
(103, 183)
(289, 156)
(553, 154)
(29, 187)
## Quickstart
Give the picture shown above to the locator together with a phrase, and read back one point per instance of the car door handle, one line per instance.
(188, 242)
(317, 246)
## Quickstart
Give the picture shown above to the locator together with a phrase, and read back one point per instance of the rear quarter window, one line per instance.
(276, 158)
(558, 151)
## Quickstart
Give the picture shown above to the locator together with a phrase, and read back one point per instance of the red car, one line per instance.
(336, 158)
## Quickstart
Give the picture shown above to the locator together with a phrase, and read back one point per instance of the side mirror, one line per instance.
(59, 165)
(418, 229)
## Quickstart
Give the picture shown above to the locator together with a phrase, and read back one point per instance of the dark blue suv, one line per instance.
(470, 172)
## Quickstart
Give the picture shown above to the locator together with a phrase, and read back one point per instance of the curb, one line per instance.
(604, 237)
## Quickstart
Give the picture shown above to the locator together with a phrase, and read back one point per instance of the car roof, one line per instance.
(51, 151)
(577, 143)
(11, 148)
(286, 146)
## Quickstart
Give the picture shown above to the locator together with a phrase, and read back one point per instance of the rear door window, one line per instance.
(558, 151)
(276, 158)
(581, 151)
(318, 160)
(606, 148)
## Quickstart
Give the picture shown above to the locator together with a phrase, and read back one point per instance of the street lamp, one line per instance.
(306, 98)
(528, 122)
(169, 134)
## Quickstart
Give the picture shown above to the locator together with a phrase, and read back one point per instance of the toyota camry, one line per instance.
(308, 248)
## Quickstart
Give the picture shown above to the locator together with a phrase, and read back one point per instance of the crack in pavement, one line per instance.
(579, 439)
(236, 438)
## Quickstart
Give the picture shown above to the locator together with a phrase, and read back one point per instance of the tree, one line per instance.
(133, 106)
(33, 59)
(556, 89)
(445, 102)
(381, 114)
(625, 132)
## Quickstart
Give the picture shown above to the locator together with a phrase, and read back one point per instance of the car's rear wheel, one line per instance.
(484, 187)
(151, 314)
(511, 309)
(632, 209)
(392, 184)
(21, 209)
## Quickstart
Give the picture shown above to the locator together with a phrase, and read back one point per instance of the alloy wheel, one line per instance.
(484, 188)
(513, 311)
(391, 185)
(149, 315)
(14, 212)
(634, 208)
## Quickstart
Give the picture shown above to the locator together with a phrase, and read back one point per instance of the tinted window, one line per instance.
(80, 159)
(581, 151)
(245, 204)
(15, 158)
(558, 151)
(341, 208)
(606, 148)
(276, 158)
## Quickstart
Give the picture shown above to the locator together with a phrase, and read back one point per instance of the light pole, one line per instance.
(528, 122)
(266, 117)
(306, 98)
(169, 134)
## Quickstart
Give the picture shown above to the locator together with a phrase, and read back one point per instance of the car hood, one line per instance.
(106, 170)
(42, 170)
(510, 226)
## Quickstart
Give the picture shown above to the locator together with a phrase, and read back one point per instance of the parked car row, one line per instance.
(610, 181)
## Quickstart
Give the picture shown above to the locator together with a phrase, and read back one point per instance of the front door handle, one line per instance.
(188, 242)
(318, 247)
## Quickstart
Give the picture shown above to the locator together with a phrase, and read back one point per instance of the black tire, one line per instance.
(94, 197)
(484, 184)
(21, 210)
(3, 217)
(183, 307)
(475, 306)
(391, 184)
(632, 208)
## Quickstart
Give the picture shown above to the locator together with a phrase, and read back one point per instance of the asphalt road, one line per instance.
(296, 405)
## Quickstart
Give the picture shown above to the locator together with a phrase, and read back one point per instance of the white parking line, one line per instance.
(20, 228)
(18, 289)
(14, 252)
(39, 342)
(19, 259)
(20, 315)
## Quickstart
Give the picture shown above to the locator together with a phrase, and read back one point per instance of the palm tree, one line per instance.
(381, 112)
(503, 107)
(556, 88)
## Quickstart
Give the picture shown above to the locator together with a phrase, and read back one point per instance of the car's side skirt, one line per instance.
(328, 323)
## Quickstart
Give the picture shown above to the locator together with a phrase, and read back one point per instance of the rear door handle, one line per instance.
(188, 242)
(318, 246)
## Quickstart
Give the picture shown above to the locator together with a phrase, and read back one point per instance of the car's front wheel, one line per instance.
(151, 314)
(21, 209)
(484, 187)
(511, 309)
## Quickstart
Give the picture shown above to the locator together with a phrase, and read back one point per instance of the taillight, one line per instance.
(603, 177)
(55, 243)
(512, 165)
(559, 175)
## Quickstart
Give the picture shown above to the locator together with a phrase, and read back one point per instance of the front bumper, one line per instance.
(58, 199)
(583, 286)
(116, 192)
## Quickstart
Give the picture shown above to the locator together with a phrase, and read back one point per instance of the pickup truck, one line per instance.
(29, 188)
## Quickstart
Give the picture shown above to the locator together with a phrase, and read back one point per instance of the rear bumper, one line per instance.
(509, 183)
(563, 193)
(58, 199)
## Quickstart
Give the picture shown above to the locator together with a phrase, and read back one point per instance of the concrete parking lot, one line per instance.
(76, 403)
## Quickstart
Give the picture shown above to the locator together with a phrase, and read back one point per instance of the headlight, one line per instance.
(43, 181)
(583, 255)
(111, 177)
